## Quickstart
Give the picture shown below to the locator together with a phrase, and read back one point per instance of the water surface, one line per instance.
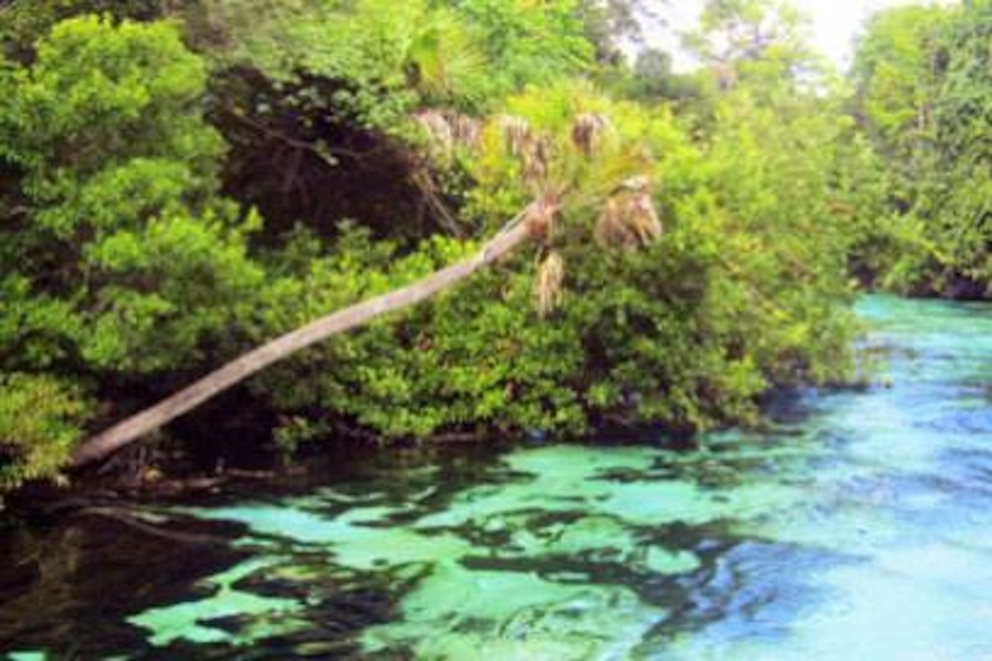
(858, 525)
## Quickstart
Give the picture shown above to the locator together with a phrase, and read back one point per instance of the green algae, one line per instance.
(568, 506)
(663, 561)
(514, 615)
(191, 620)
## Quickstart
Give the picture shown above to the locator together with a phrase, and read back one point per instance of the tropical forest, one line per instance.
(495, 329)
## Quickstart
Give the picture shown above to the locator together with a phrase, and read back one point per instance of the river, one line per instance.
(857, 525)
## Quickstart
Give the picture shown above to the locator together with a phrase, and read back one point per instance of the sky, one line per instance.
(836, 23)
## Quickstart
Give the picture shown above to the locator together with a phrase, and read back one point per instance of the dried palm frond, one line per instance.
(540, 216)
(517, 132)
(548, 283)
(587, 131)
(447, 129)
(639, 184)
(439, 132)
(422, 178)
(642, 218)
(610, 228)
(628, 218)
(535, 159)
(465, 130)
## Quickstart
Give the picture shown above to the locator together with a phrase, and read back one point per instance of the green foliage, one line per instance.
(95, 98)
(295, 430)
(475, 360)
(24, 22)
(529, 42)
(923, 79)
(732, 299)
(787, 237)
(122, 262)
(117, 166)
(653, 79)
(119, 257)
(203, 280)
(40, 420)
(897, 72)
(760, 39)
(372, 62)
(37, 330)
(963, 119)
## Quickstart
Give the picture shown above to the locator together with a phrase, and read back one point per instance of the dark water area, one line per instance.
(858, 525)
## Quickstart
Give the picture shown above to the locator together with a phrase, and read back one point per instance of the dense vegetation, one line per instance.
(182, 181)
(923, 78)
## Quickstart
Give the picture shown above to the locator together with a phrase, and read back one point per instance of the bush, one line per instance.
(40, 422)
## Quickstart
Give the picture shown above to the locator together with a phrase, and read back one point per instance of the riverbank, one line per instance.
(859, 521)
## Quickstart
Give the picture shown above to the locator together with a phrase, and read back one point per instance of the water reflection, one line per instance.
(859, 525)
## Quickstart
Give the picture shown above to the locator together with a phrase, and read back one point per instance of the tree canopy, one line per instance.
(180, 182)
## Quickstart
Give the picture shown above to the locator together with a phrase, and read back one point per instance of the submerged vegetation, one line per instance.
(180, 182)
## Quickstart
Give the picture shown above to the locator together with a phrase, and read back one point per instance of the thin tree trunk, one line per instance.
(133, 428)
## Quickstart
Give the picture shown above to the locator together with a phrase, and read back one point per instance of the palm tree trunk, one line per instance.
(99, 447)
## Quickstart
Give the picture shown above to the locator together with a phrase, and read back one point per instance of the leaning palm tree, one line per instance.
(586, 167)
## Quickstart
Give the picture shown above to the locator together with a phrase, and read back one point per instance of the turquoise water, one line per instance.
(858, 525)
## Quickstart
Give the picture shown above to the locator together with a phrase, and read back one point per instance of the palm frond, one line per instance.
(548, 283)
(628, 218)
(587, 132)
(443, 58)
(517, 132)
(448, 130)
